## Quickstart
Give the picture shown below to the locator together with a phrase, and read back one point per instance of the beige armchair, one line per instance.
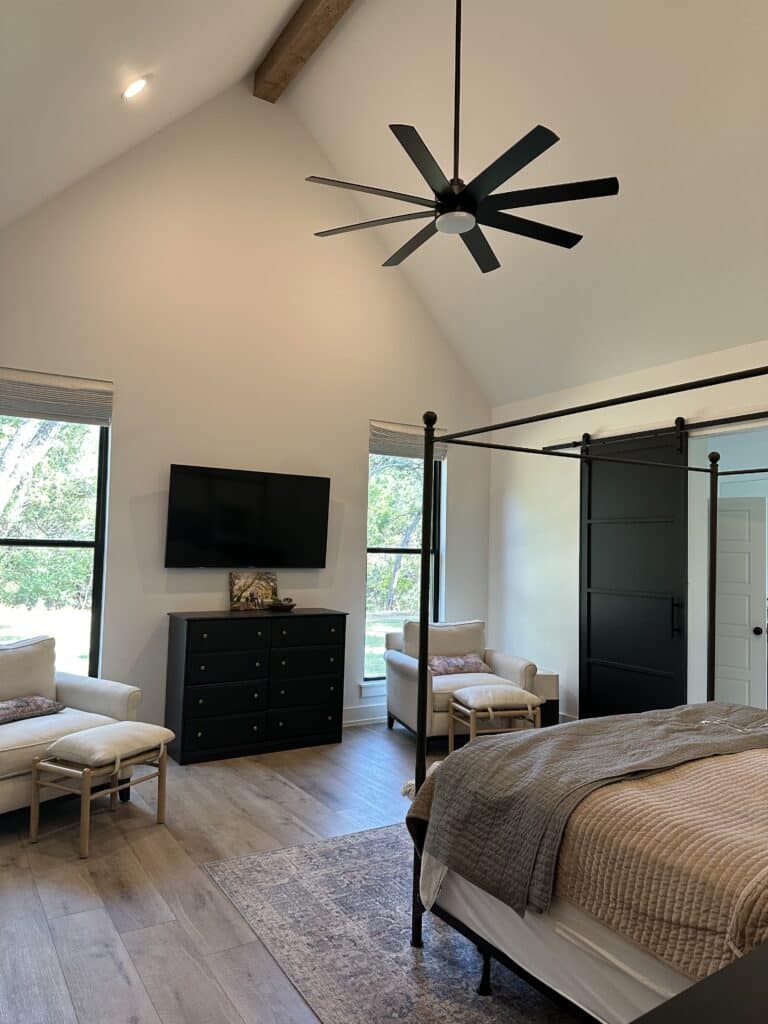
(455, 638)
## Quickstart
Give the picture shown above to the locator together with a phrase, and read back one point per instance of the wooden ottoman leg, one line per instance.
(451, 731)
(162, 765)
(537, 718)
(34, 807)
(113, 780)
(472, 725)
(85, 811)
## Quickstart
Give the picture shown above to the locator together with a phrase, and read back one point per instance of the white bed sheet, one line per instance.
(602, 972)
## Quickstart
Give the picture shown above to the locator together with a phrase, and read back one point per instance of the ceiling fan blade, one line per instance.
(373, 223)
(529, 228)
(536, 142)
(483, 254)
(553, 194)
(411, 245)
(402, 196)
(416, 148)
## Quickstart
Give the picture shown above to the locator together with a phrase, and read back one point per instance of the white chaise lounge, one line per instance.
(27, 669)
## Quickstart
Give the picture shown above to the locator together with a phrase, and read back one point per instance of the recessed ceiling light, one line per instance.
(136, 86)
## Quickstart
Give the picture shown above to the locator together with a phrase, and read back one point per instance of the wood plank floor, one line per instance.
(138, 933)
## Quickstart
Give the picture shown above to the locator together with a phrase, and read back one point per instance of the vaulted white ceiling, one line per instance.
(669, 95)
(64, 64)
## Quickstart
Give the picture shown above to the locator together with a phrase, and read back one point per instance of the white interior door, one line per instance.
(740, 672)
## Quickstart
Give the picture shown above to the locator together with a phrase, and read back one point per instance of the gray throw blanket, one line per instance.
(501, 804)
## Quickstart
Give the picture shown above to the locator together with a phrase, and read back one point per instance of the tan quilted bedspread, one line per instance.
(677, 861)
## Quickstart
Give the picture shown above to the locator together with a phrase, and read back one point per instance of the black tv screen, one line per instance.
(233, 519)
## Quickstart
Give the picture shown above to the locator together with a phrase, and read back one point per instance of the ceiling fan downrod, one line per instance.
(456, 182)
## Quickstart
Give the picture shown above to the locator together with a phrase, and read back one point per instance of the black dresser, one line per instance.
(250, 682)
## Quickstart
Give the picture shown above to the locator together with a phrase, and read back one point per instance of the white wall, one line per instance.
(186, 271)
(534, 545)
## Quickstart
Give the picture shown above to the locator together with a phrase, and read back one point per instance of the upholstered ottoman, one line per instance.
(100, 754)
(500, 705)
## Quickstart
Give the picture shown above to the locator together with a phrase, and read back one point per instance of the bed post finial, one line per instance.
(714, 490)
(429, 418)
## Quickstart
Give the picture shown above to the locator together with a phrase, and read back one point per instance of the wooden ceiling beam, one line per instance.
(293, 48)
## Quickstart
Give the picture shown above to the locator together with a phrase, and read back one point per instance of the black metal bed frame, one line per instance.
(487, 950)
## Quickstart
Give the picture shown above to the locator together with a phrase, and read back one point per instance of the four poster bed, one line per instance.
(636, 843)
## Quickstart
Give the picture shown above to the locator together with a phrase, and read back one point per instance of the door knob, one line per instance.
(758, 630)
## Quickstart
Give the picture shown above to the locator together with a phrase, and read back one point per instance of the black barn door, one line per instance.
(634, 541)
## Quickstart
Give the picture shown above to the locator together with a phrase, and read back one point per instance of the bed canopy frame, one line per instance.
(464, 438)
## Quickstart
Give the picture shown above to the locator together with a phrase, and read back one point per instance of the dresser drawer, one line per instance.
(289, 722)
(287, 662)
(315, 629)
(225, 635)
(234, 731)
(224, 699)
(290, 693)
(227, 668)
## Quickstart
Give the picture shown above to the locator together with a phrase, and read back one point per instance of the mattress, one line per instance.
(594, 967)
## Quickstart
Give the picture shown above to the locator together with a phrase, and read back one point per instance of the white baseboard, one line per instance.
(365, 714)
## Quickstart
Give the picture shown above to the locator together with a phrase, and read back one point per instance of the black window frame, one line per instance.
(97, 545)
(437, 500)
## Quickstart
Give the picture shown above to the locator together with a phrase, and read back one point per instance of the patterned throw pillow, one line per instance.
(445, 665)
(16, 708)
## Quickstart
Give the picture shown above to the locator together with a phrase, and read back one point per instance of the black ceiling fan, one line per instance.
(460, 209)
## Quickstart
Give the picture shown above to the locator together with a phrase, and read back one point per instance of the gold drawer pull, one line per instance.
(333, 629)
(205, 636)
(258, 633)
(283, 632)
(255, 728)
(280, 724)
(331, 688)
(199, 735)
(282, 693)
(258, 664)
(283, 663)
(202, 668)
(255, 696)
(330, 718)
(199, 700)
(332, 660)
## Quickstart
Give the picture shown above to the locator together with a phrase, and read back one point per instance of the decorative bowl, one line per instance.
(287, 604)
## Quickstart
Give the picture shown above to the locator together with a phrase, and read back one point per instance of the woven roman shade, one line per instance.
(48, 396)
(403, 439)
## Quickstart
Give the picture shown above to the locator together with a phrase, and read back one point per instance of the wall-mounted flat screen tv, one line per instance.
(234, 519)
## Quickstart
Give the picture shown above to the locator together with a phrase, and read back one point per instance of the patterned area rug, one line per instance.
(336, 917)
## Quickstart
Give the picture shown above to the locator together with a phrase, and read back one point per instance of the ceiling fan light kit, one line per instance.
(455, 222)
(460, 209)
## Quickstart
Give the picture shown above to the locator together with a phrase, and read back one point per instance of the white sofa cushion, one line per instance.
(109, 744)
(444, 687)
(449, 638)
(27, 668)
(497, 697)
(22, 742)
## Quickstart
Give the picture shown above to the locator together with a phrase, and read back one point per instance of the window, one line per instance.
(52, 491)
(394, 550)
